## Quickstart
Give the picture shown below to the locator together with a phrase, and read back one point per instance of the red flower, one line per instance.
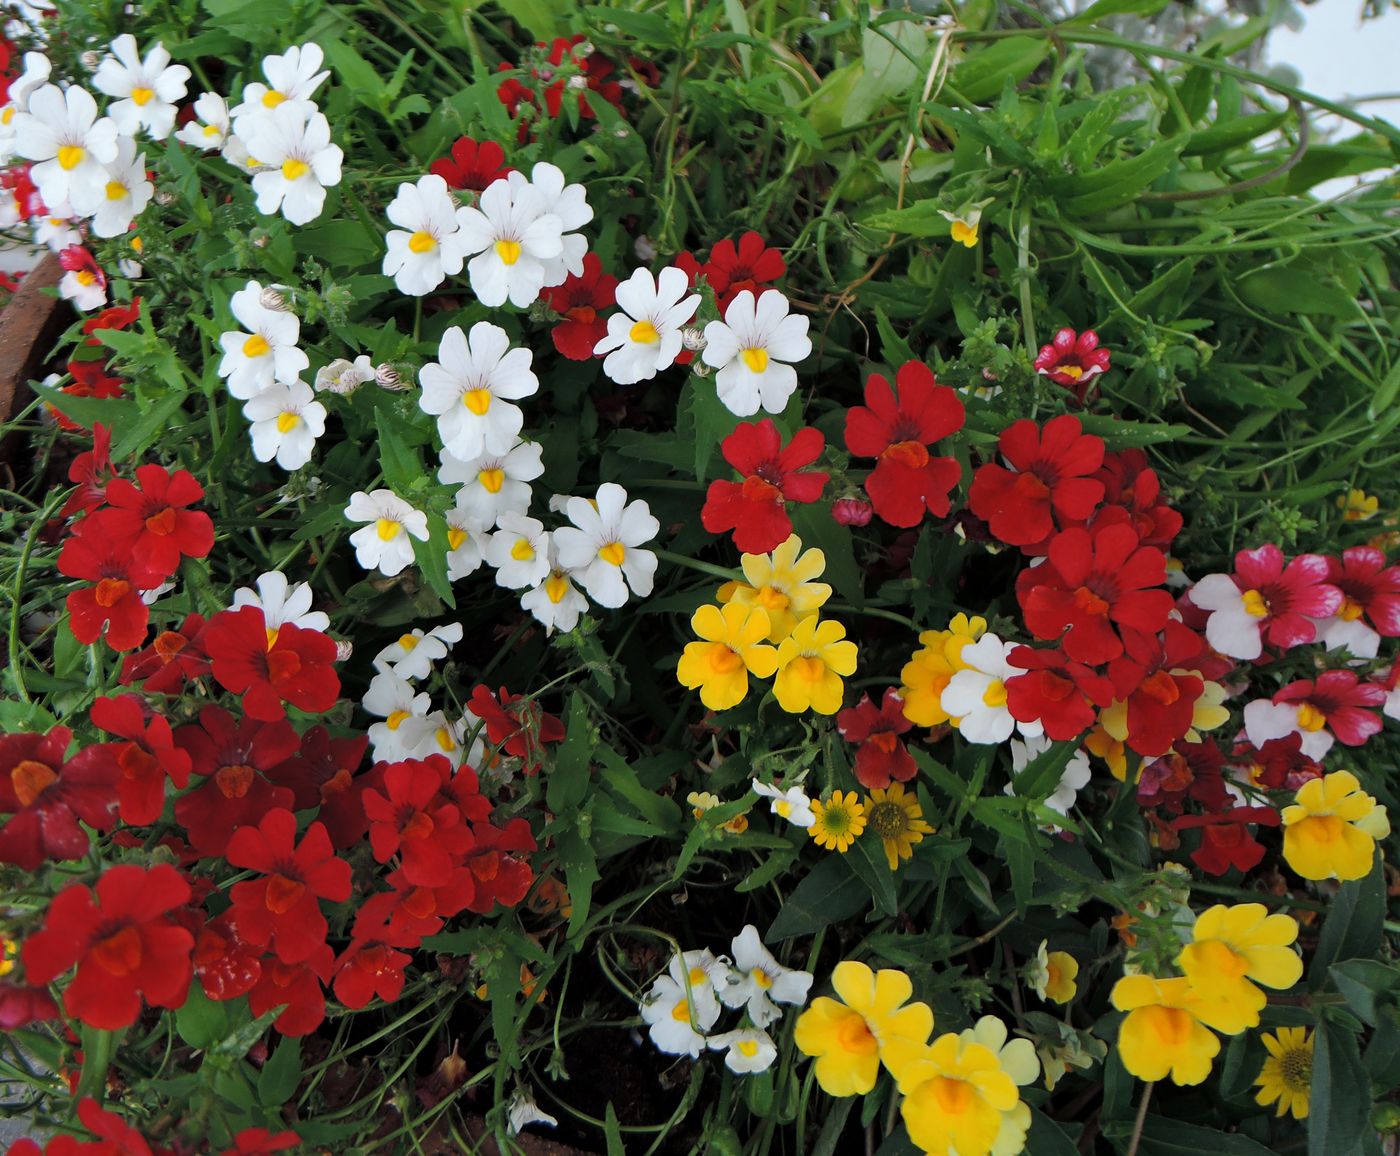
(125, 945)
(594, 68)
(1059, 694)
(112, 604)
(756, 508)
(1131, 493)
(1090, 583)
(500, 876)
(224, 964)
(153, 517)
(46, 796)
(294, 665)
(1279, 764)
(22, 1005)
(473, 164)
(420, 911)
(580, 301)
(91, 470)
(90, 379)
(260, 1142)
(115, 1137)
(174, 659)
(370, 966)
(113, 317)
(1270, 603)
(145, 761)
(298, 986)
(882, 756)
(408, 818)
(521, 731)
(320, 760)
(749, 265)
(1225, 838)
(1160, 697)
(1073, 360)
(1336, 699)
(1188, 770)
(898, 432)
(76, 259)
(1368, 587)
(1050, 475)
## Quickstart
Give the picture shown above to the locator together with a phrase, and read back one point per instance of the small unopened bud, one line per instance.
(546, 74)
(644, 249)
(387, 377)
(851, 512)
(269, 298)
(988, 375)
(578, 83)
(582, 50)
(164, 197)
(261, 241)
(700, 369)
(91, 59)
(344, 648)
(693, 338)
(620, 132)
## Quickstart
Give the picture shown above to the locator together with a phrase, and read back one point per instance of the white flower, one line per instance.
(282, 604)
(1350, 634)
(148, 89)
(1233, 627)
(471, 387)
(404, 712)
(522, 1111)
(1391, 707)
(748, 1050)
(1265, 720)
(292, 79)
(210, 128)
(152, 596)
(265, 351)
(344, 376)
(127, 192)
(602, 551)
(1073, 778)
(976, 697)
(751, 348)
(287, 420)
(518, 551)
(413, 655)
(645, 337)
(758, 982)
(35, 76)
(302, 162)
(70, 144)
(385, 541)
(570, 204)
(671, 1014)
(85, 288)
(512, 237)
(555, 602)
(428, 245)
(440, 737)
(57, 232)
(791, 804)
(466, 543)
(494, 484)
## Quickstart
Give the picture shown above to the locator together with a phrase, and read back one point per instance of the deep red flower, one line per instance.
(154, 519)
(91, 470)
(46, 795)
(1368, 587)
(407, 818)
(294, 665)
(1073, 360)
(1051, 475)
(111, 607)
(320, 759)
(146, 760)
(115, 1137)
(1337, 700)
(750, 265)
(1059, 694)
(1092, 583)
(370, 966)
(1160, 696)
(851, 512)
(125, 945)
(897, 431)
(90, 379)
(224, 964)
(580, 301)
(501, 877)
(113, 317)
(594, 68)
(518, 725)
(261, 1142)
(420, 911)
(774, 474)
(1132, 493)
(1187, 771)
(1279, 764)
(298, 986)
(22, 1005)
(473, 164)
(881, 756)
(689, 264)
(174, 659)
(1225, 838)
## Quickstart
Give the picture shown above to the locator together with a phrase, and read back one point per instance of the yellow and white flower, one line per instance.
(127, 193)
(281, 603)
(681, 1005)
(441, 737)
(746, 1051)
(297, 163)
(514, 240)
(758, 983)
(791, 804)
(494, 484)
(602, 547)
(145, 91)
(287, 420)
(567, 202)
(292, 78)
(1074, 778)
(412, 655)
(1265, 720)
(975, 697)
(518, 551)
(471, 388)
(556, 602)
(69, 144)
(386, 541)
(1019, 1061)
(405, 714)
(265, 350)
(645, 336)
(34, 77)
(428, 244)
(344, 376)
(752, 348)
(211, 126)
(466, 541)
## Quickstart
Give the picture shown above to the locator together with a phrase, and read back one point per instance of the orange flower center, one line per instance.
(1350, 610)
(168, 644)
(110, 591)
(1161, 687)
(854, 1035)
(757, 490)
(120, 953)
(1219, 959)
(30, 779)
(954, 1097)
(233, 782)
(885, 741)
(162, 522)
(419, 827)
(911, 454)
(723, 660)
(1087, 602)
(1255, 603)
(283, 893)
(282, 665)
(583, 314)
(1171, 1025)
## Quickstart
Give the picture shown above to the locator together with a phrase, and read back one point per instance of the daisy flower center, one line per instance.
(142, 96)
(477, 400)
(613, 552)
(492, 480)
(293, 169)
(387, 529)
(644, 333)
(508, 252)
(1295, 1066)
(287, 421)
(888, 820)
(256, 346)
(755, 359)
(422, 242)
(70, 156)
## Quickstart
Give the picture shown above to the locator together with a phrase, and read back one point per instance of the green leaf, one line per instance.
(431, 558)
(981, 75)
(356, 73)
(1118, 183)
(650, 28)
(893, 348)
(278, 1080)
(568, 781)
(867, 859)
(1103, 9)
(1352, 929)
(1047, 1138)
(1286, 290)
(710, 421)
(1164, 1137)
(1366, 984)
(580, 864)
(612, 1132)
(830, 892)
(118, 413)
(397, 457)
(201, 1021)
(1340, 1108)
(1231, 134)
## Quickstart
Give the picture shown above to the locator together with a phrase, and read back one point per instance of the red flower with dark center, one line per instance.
(898, 431)
(750, 265)
(320, 759)
(90, 379)
(473, 164)
(1051, 475)
(501, 877)
(125, 945)
(689, 264)
(1091, 584)
(153, 517)
(518, 725)
(111, 607)
(580, 301)
(298, 986)
(1073, 360)
(281, 909)
(408, 819)
(1225, 838)
(370, 966)
(146, 761)
(882, 756)
(46, 795)
(113, 317)
(22, 1005)
(1368, 587)
(774, 474)
(1279, 764)
(1188, 770)
(293, 665)
(261, 1142)
(174, 659)
(76, 259)
(224, 964)
(1337, 700)
(91, 470)
(1131, 494)
(1059, 694)
(594, 68)
(1160, 697)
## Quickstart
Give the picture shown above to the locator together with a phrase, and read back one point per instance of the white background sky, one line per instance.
(1339, 57)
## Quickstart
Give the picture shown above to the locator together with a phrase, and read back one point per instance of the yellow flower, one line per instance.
(9, 951)
(1102, 744)
(849, 1038)
(1232, 946)
(839, 821)
(1052, 974)
(811, 663)
(737, 825)
(963, 225)
(927, 674)
(701, 801)
(898, 819)
(1019, 1061)
(1161, 1035)
(1287, 1074)
(1209, 711)
(732, 649)
(955, 1095)
(781, 583)
(1356, 506)
(1331, 830)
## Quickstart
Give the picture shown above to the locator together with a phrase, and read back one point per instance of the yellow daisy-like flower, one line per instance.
(782, 584)
(1161, 1036)
(1051, 974)
(926, 675)
(731, 649)
(849, 1036)
(839, 821)
(1286, 1076)
(897, 818)
(1356, 506)
(1232, 946)
(955, 1094)
(1331, 830)
(812, 660)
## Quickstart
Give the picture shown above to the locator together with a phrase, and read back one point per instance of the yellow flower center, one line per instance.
(747, 1048)
(1219, 959)
(1171, 1025)
(492, 480)
(1323, 828)
(888, 820)
(422, 242)
(408, 642)
(86, 277)
(854, 1035)
(783, 808)
(455, 537)
(953, 1097)
(115, 190)
(613, 552)
(644, 333)
(256, 346)
(137, 244)
(681, 1012)
(211, 130)
(397, 719)
(1073, 372)
(142, 95)
(1295, 1066)
(387, 529)
(556, 586)
(755, 359)
(1350, 610)
(1255, 604)
(995, 694)
(294, 169)
(723, 660)
(522, 551)
(964, 234)
(70, 156)
(445, 741)
(477, 400)
(1310, 718)
(698, 977)
(8, 114)
(272, 632)
(807, 668)
(508, 252)
(771, 598)
(287, 421)
(272, 99)
(761, 978)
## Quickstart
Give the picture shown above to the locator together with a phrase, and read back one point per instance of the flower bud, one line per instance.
(344, 648)
(578, 83)
(693, 337)
(387, 377)
(851, 512)
(270, 298)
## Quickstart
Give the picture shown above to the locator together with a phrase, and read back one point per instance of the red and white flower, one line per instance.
(1264, 601)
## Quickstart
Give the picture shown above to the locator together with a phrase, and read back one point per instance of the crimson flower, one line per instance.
(22, 1005)
(112, 605)
(501, 877)
(407, 818)
(1187, 771)
(473, 164)
(224, 964)
(91, 470)
(153, 517)
(1336, 699)
(320, 760)
(1059, 694)
(1266, 601)
(1073, 360)
(580, 301)
(115, 1137)
(1051, 475)
(881, 756)
(146, 760)
(90, 379)
(518, 725)
(298, 986)
(774, 474)
(294, 665)
(594, 68)
(420, 911)
(1368, 587)
(897, 431)
(750, 265)
(1160, 696)
(125, 945)
(174, 659)
(1131, 494)
(370, 966)
(113, 317)
(261, 1142)
(46, 795)
(1279, 764)
(1225, 838)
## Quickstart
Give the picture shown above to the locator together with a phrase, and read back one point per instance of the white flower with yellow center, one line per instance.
(57, 231)
(84, 287)
(412, 655)
(677, 1021)
(127, 193)
(746, 1051)
(556, 602)
(466, 544)
(386, 542)
(518, 551)
(299, 162)
(471, 388)
(441, 737)
(405, 715)
(428, 244)
(281, 603)
(758, 982)
(791, 804)
(69, 144)
(35, 76)
(494, 484)
(570, 204)
(513, 239)
(292, 78)
(752, 348)
(975, 698)
(287, 420)
(601, 548)
(211, 126)
(146, 91)
(265, 350)
(645, 337)
(1265, 720)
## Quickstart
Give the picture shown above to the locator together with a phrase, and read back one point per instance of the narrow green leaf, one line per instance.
(1352, 929)
(1340, 1107)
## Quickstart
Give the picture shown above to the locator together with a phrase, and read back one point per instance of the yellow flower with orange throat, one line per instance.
(1332, 828)
(1358, 506)
(1162, 1035)
(731, 647)
(1052, 974)
(964, 226)
(812, 661)
(783, 584)
(1231, 950)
